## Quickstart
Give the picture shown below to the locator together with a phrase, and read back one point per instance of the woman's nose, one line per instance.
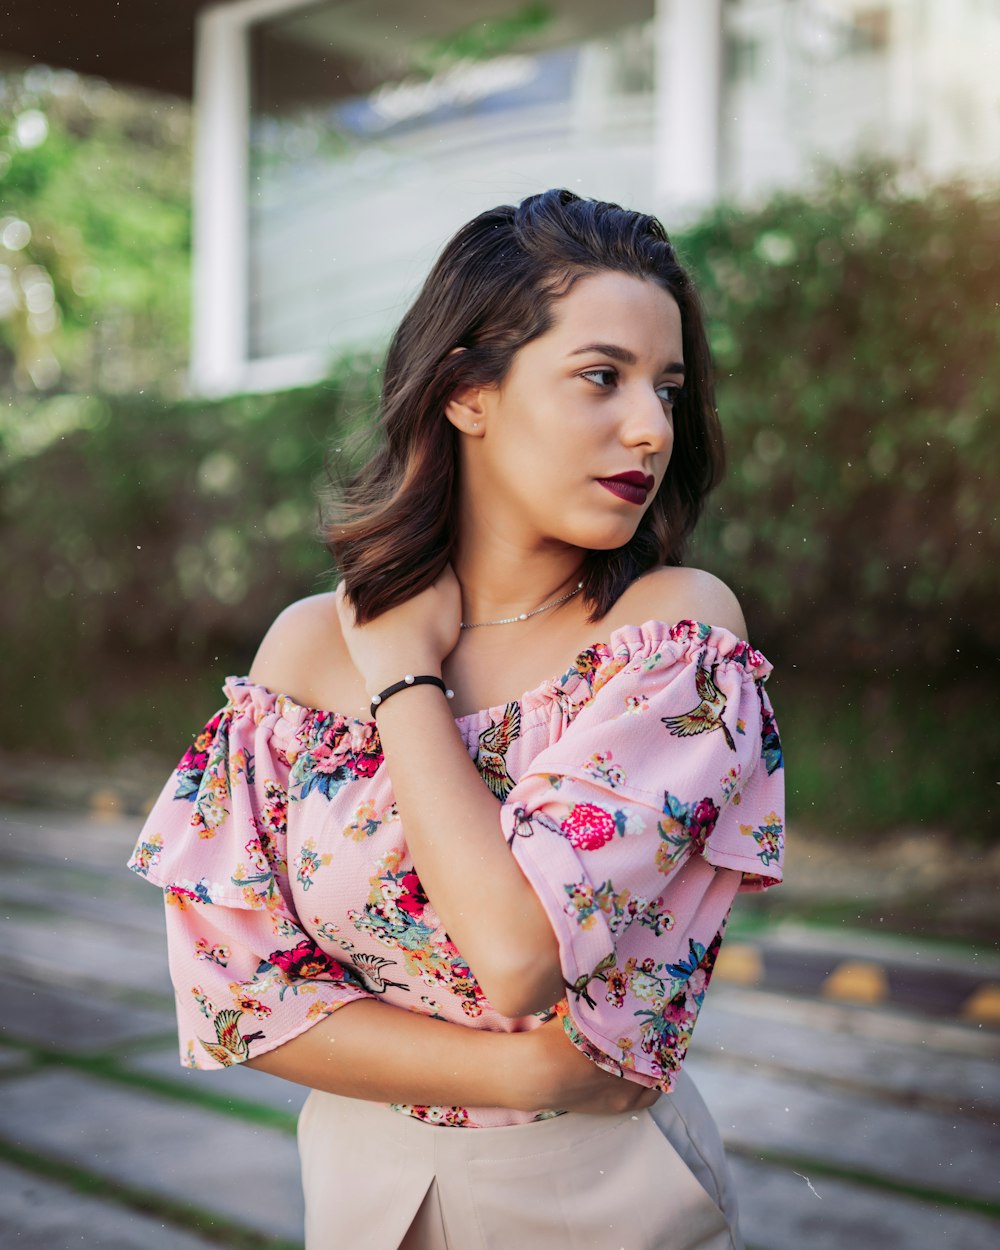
(650, 421)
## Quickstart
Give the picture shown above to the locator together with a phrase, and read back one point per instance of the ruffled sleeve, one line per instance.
(246, 975)
(662, 798)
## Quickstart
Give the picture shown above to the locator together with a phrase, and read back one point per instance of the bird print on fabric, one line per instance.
(494, 744)
(579, 987)
(708, 714)
(230, 1047)
(371, 968)
(525, 822)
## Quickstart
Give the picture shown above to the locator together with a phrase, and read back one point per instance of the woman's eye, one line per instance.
(669, 392)
(600, 377)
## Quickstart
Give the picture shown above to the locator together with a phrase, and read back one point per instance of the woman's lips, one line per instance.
(628, 491)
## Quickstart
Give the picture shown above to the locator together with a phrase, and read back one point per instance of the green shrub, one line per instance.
(856, 333)
(148, 544)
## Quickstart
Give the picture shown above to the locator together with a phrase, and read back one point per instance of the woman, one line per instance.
(529, 962)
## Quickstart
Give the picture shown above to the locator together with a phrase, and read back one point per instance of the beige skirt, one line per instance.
(375, 1179)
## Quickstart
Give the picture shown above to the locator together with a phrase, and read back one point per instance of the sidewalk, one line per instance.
(870, 1126)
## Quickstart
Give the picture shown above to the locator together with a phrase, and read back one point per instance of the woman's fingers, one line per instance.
(578, 1084)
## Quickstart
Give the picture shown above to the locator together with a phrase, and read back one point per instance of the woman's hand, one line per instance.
(413, 637)
(567, 1080)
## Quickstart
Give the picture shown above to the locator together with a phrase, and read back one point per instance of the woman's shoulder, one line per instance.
(303, 654)
(672, 594)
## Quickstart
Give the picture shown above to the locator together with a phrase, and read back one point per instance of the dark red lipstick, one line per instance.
(632, 486)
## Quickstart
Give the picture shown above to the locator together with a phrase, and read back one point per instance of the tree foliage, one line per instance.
(856, 331)
(94, 236)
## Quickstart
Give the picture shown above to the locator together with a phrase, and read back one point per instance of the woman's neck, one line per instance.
(500, 585)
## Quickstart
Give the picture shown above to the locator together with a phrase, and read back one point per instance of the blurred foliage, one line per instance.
(482, 40)
(856, 330)
(95, 208)
(151, 535)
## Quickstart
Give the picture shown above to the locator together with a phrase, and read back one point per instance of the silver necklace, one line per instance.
(524, 616)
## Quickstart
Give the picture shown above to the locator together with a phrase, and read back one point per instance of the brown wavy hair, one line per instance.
(391, 528)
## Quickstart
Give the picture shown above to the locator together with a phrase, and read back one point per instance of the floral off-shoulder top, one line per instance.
(640, 791)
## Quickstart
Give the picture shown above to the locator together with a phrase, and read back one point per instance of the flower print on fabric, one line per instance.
(204, 1002)
(364, 822)
(447, 1117)
(770, 836)
(730, 783)
(685, 827)
(208, 771)
(230, 916)
(639, 914)
(588, 826)
(308, 862)
(194, 761)
(619, 907)
(334, 752)
(255, 876)
(669, 1021)
(272, 823)
(635, 838)
(494, 743)
(601, 767)
(581, 681)
(146, 854)
(305, 962)
(180, 896)
(398, 914)
(203, 949)
(248, 1004)
(770, 742)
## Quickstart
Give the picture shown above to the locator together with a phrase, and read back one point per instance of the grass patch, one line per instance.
(885, 1184)
(182, 1215)
(109, 1067)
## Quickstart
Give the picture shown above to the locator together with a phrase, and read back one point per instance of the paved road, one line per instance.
(869, 1126)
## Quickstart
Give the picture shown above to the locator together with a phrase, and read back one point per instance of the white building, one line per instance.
(340, 142)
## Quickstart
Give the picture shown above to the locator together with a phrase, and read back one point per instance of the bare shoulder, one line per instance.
(680, 594)
(301, 647)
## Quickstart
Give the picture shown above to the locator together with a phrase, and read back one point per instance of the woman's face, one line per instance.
(585, 403)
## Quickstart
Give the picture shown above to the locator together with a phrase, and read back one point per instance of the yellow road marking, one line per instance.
(739, 963)
(983, 1005)
(857, 981)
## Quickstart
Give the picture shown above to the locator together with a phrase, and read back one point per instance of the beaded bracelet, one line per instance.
(408, 680)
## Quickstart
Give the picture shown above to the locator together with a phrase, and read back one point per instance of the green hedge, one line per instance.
(857, 335)
(147, 545)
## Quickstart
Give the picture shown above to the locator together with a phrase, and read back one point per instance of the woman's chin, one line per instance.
(604, 537)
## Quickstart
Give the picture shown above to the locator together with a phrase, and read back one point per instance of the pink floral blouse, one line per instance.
(641, 790)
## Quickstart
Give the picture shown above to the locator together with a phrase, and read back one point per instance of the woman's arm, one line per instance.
(372, 1051)
(451, 819)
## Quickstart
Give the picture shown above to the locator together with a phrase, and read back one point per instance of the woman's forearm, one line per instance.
(452, 824)
(370, 1050)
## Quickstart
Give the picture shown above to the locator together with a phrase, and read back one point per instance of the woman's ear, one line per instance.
(466, 411)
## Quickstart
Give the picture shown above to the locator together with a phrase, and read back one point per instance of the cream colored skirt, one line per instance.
(647, 1180)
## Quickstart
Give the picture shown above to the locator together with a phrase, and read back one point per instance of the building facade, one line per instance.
(340, 143)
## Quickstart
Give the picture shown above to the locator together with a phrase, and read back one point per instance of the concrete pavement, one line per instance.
(870, 1124)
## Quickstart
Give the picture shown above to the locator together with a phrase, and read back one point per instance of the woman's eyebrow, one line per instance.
(623, 354)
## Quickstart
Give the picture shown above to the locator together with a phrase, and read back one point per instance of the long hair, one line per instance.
(391, 529)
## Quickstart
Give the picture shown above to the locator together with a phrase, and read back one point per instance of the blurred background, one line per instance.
(212, 216)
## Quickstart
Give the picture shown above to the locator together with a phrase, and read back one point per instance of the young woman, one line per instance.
(445, 904)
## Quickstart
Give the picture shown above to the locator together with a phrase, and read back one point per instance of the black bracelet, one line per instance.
(409, 680)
